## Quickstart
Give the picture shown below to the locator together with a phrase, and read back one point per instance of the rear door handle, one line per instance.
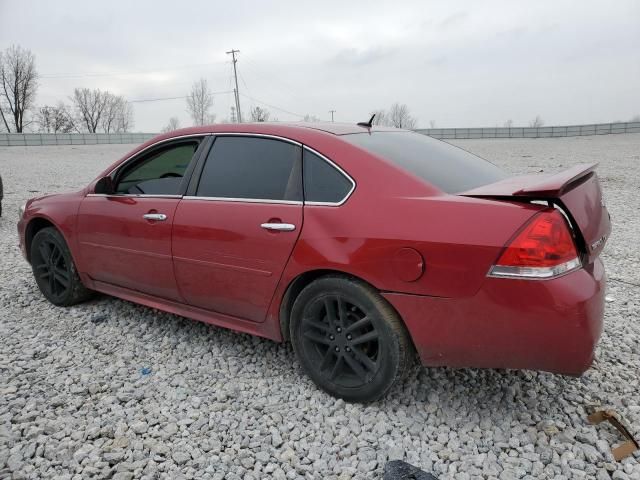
(158, 217)
(280, 227)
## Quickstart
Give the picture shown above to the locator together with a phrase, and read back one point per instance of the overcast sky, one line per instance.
(452, 62)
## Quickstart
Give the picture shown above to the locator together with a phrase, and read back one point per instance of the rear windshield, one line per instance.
(449, 168)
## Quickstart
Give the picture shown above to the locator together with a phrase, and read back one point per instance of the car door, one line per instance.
(235, 231)
(125, 237)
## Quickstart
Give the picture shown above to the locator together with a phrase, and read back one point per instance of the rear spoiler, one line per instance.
(538, 186)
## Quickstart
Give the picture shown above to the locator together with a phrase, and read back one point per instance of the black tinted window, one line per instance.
(449, 168)
(323, 182)
(253, 168)
(159, 173)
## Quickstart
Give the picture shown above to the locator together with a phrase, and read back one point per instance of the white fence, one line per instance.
(35, 139)
(533, 132)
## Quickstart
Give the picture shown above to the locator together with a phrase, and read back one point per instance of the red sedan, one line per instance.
(362, 246)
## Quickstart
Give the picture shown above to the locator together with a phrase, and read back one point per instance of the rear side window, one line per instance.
(449, 168)
(252, 168)
(322, 181)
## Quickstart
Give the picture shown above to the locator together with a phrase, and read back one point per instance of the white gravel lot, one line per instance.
(74, 402)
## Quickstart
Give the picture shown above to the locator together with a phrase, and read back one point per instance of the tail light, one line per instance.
(544, 248)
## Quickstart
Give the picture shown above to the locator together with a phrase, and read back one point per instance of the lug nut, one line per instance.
(338, 329)
(331, 337)
(337, 349)
(349, 337)
(348, 349)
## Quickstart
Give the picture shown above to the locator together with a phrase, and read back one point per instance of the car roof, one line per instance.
(281, 128)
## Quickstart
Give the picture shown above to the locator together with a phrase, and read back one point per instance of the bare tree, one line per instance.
(259, 114)
(56, 119)
(125, 121)
(19, 82)
(635, 118)
(508, 124)
(381, 118)
(310, 118)
(110, 112)
(199, 103)
(536, 122)
(118, 114)
(400, 117)
(173, 124)
(432, 124)
(90, 106)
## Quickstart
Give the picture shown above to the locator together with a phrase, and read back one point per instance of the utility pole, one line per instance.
(235, 74)
(332, 112)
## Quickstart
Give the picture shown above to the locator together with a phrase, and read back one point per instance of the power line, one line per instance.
(142, 100)
(288, 88)
(117, 74)
(273, 106)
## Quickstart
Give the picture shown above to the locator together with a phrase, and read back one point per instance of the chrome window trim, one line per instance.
(242, 200)
(160, 142)
(229, 199)
(248, 200)
(337, 167)
(260, 135)
(143, 195)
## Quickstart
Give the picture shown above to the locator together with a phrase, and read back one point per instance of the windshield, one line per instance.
(449, 168)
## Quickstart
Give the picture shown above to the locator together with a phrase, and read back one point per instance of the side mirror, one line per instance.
(104, 186)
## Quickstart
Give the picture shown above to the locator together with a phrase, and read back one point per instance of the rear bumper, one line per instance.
(551, 325)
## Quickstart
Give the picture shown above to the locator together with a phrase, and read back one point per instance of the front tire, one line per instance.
(348, 339)
(54, 270)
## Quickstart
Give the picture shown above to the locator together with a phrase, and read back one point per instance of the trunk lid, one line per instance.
(576, 190)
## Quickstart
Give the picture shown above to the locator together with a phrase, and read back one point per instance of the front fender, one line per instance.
(58, 210)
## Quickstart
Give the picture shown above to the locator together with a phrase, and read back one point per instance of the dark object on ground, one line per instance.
(625, 449)
(399, 470)
(99, 318)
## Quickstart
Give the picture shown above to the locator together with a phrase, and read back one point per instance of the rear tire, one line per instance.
(348, 339)
(54, 270)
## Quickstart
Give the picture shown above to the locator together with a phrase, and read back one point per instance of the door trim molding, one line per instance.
(126, 250)
(223, 266)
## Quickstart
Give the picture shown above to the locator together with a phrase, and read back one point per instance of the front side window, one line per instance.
(159, 173)
(252, 168)
(322, 181)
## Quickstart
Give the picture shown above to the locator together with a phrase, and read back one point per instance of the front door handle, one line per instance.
(280, 227)
(158, 217)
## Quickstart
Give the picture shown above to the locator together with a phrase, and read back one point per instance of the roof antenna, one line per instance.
(368, 124)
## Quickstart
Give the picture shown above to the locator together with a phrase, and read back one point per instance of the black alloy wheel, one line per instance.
(348, 339)
(342, 340)
(54, 270)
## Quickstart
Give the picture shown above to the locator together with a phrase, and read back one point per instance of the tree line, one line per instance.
(88, 111)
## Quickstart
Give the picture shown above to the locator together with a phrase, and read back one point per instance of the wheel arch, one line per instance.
(306, 278)
(34, 226)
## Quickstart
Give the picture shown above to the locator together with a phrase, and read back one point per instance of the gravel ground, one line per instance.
(115, 390)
